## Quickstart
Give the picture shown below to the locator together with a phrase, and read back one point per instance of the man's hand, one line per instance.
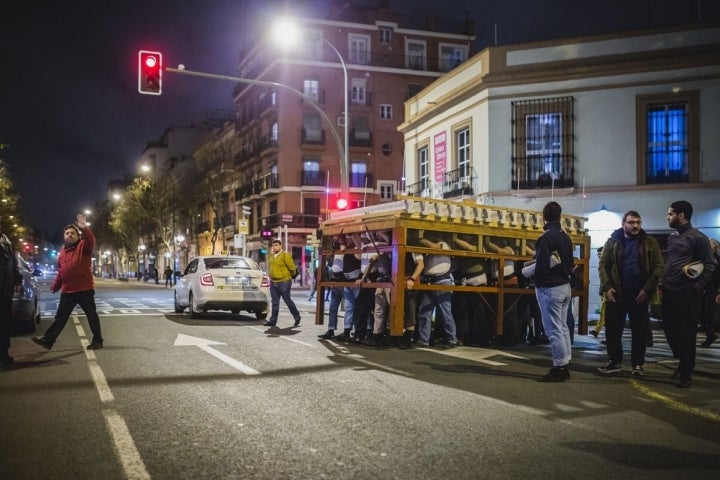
(80, 220)
(610, 295)
(641, 297)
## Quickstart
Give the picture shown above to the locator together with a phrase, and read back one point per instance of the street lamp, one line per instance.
(287, 33)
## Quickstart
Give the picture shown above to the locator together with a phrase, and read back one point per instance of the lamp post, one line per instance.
(286, 32)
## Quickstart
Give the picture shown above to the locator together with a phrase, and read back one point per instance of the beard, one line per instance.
(70, 243)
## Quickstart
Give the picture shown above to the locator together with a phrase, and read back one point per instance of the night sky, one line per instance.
(68, 88)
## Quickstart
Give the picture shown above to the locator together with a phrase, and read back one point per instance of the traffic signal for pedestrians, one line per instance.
(149, 72)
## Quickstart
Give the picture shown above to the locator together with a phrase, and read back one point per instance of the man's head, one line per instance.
(679, 213)
(632, 224)
(552, 212)
(275, 246)
(71, 234)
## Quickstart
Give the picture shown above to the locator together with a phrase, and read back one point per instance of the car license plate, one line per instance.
(238, 283)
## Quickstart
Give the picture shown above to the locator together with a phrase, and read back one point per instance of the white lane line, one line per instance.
(127, 451)
(229, 360)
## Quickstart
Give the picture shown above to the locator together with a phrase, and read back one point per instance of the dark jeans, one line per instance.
(5, 324)
(282, 290)
(615, 313)
(68, 301)
(681, 314)
(364, 307)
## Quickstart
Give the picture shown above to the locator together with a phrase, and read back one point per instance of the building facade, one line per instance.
(289, 146)
(602, 125)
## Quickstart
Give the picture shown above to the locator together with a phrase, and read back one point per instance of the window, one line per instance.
(386, 112)
(358, 91)
(415, 55)
(462, 151)
(359, 48)
(543, 148)
(385, 35)
(360, 128)
(424, 172)
(311, 206)
(451, 56)
(358, 174)
(313, 45)
(273, 207)
(311, 88)
(311, 174)
(668, 138)
(274, 131)
(311, 126)
(387, 191)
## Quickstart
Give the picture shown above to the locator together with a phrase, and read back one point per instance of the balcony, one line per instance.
(361, 180)
(420, 189)
(267, 142)
(228, 220)
(292, 220)
(313, 178)
(313, 137)
(459, 182)
(269, 181)
(202, 227)
(360, 138)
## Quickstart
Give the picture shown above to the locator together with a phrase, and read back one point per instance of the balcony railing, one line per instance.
(538, 172)
(296, 220)
(360, 138)
(420, 189)
(269, 181)
(313, 137)
(202, 227)
(361, 180)
(265, 142)
(228, 219)
(459, 182)
(313, 178)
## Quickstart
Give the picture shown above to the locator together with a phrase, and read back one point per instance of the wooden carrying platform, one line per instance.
(499, 238)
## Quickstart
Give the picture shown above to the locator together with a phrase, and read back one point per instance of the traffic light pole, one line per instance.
(341, 151)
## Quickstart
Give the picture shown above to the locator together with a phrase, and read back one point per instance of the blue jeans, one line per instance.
(282, 290)
(337, 294)
(554, 303)
(442, 299)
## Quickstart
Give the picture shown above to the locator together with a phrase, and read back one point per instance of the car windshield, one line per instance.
(225, 262)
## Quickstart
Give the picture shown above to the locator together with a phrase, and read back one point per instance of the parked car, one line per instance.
(26, 310)
(217, 282)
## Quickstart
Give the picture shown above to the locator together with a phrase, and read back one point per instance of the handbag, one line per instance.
(529, 268)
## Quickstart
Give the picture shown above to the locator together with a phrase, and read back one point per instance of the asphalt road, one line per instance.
(224, 397)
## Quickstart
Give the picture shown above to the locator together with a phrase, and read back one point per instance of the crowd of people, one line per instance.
(632, 271)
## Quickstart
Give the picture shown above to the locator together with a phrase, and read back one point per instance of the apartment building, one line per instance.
(601, 124)
(288, 146)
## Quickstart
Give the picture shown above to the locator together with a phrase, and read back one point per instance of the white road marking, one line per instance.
(183, 340)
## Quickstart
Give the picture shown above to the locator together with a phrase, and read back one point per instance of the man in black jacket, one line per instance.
(552, 289)
(689, 264)
(10, 279)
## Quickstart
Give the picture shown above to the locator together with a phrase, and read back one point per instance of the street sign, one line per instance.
(243, 227)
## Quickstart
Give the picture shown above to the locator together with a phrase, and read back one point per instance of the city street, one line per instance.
(224, 397)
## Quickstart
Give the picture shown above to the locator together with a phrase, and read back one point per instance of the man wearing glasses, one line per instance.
(630, 268)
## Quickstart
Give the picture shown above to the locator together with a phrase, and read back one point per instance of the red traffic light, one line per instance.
(149, 72)
(342, 203)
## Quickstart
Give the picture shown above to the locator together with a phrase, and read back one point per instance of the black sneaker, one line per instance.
(42, 342)
(95, 346)
(555, 375)
(297, 323)
(343, 337)
(685, 382)
(610, 367)
(330, 334)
